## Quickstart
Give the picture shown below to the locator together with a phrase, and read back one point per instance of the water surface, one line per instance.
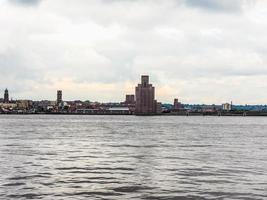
(128, 157)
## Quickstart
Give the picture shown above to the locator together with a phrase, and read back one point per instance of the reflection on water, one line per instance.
(128, 157)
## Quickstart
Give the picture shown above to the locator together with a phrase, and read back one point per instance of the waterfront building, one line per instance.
(129, 102)
(106, 111)
(119, 110)
(8, 105)
(227, 106)
(176, 104)
(24, 104)
(59, 97)
(6, 96)
(129, 99)
(44, 105)
(158, 107)
(145, 97)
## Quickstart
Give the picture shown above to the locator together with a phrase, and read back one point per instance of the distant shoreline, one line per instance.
(214, 114)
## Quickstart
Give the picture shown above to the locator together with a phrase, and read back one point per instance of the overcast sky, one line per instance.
(201, 51)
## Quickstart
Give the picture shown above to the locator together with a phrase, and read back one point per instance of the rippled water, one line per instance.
(128, 157)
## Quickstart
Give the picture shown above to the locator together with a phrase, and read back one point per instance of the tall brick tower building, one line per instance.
(59, 97)
(145, 97)
(6, 96)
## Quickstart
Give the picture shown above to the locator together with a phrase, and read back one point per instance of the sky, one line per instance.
(200, 51)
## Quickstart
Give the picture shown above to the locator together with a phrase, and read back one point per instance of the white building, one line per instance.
(227, 106)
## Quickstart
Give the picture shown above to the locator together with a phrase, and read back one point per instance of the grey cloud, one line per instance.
(26, 2)
(217, 5)
(15, 64)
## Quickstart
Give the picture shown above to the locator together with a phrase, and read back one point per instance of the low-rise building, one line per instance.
(8, 105)
(227, 106)
(24, 104)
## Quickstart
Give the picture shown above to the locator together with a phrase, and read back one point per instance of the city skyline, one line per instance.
(200, 51)
(129, 98)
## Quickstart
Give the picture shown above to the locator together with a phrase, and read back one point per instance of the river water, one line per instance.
(128, 157)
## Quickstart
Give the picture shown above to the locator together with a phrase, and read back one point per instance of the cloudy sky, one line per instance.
(202, 51)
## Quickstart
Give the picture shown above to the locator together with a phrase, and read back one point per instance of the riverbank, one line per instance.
(181, 113)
